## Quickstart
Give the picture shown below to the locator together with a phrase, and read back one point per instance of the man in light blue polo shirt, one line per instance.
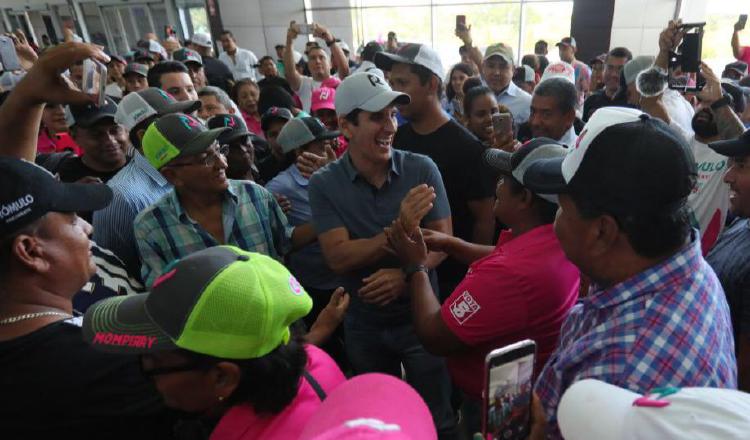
(352, 200)
(138, 184)
(497, 73)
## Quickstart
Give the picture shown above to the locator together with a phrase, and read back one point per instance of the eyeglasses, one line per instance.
(207, 159)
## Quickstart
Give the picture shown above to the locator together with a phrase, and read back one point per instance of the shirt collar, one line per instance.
(142, 164)
(511, 90)
(174, 200)
(656, 278)
(298, 178)
(510, 244)
(569, 138)
(397, 164)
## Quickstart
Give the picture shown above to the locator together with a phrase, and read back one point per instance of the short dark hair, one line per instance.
(652, 234)
(235, 92)
(471, 95)
(545, 211)
(461, 67)
(266, 57)
(353, 116)
(563, 90)
(268, 383)
(133, 134)
(540, 45)
(274, 96)
(227, 32)
(531, 60)
(620, 52)
(155, 73)
(425, 75)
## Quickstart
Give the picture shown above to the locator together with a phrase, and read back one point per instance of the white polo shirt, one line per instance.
(243, 65)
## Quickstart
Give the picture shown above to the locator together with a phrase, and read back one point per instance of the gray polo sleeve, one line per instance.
(324, 214)
(441, 208)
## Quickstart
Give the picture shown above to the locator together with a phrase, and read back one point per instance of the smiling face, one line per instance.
(179, 85)
(738, 179)
(54, 118)
(247, 98)
(104, 143)
(480, 116)
(371, 138)
(202, 174)
(547, 119)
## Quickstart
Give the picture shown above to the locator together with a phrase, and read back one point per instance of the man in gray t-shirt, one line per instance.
(352, 200)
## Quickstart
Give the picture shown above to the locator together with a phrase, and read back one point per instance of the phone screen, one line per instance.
(8, 55)
(460, 22)
(501, 124)
(743, 21)
(509, 397)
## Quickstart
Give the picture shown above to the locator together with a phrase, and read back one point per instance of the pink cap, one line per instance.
(332, 82)
(372, 406)
(323, 97)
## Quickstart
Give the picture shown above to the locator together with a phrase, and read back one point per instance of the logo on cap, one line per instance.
(375, 79)
(325, 94)
(189, 122)
(229, 122)
(294, 285)
(12, 209)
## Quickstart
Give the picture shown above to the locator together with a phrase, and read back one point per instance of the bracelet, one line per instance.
(411, 269)
(331, 43)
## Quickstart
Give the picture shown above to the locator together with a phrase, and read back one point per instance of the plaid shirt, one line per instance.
(666, 326)
(252, 221)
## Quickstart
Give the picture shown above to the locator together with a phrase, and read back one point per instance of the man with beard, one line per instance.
(714, 120)
(730, 258)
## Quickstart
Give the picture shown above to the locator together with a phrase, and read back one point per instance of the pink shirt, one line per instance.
(745, 54)
(253, 124)
(522, 290)
(242, 423)
(56, 143)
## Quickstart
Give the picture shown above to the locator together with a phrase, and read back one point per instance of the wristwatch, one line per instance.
(412, 269)
(726, 99)
(331, 43)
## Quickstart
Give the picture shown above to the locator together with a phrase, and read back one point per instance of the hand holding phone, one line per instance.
(304, 28)
(740, 25)
(94, 79)
(506, 408)
(502, 124)
(8, 55)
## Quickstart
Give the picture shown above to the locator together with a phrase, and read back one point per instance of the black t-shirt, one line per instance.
(458, 155)
(600, 99)
(54, 385)
(217, 73)
(72, 169)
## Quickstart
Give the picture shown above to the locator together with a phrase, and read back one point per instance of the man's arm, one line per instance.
(303, 235)
(474, 53)
(21, 113)
(291, 74)
(484, 220)
(460, 250)
(736, 48)
(338, 58)
(344, 254)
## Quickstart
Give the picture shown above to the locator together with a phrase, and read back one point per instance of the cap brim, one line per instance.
(386, 60)
(545, 176)
(383, 100)
(328, 135)
(498, 54)
(498, 160)
(121, 324)
(731, 148)
(81, 197)
(202, 142)
(93, 119)
(181, 107)
(231, 137)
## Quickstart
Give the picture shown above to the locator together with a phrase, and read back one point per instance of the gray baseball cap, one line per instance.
(176, 135)
(366, 91)
(187, 56)
(137, 68)
(299, 132)
(136, 107)
(412, 53)
(518, 162)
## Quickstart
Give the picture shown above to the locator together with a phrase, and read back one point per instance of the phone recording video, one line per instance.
(507, 400)
(685, 60)
(460, 22)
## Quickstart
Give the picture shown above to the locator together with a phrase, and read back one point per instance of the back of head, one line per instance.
(370, 49)
(274, 97)
(562, 90)
(620, 52)
(155, 73)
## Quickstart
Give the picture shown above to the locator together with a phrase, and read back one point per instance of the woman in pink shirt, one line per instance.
(246, 93)
(214, 334)
(53, 133)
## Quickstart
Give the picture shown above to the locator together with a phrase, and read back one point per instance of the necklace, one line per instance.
(13, 319)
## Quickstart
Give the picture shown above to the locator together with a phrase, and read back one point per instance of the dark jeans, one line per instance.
(385, 349)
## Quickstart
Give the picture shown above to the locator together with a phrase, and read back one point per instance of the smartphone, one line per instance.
(303, 28)
(8, 55)
(460, 22)
(742, 21)
(94, 79)
(502, 124)
(506, 403)
(169, 31)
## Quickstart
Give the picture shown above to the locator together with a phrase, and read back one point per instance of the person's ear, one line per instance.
(226, 378)
(140, 133)
(29, 251)
(345, 127)
(526, 199)
(603, 234)
(570, 116)
(172, 176)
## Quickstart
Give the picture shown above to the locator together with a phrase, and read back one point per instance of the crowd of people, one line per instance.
(328, 245)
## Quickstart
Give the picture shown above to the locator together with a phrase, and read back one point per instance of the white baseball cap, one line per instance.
(201, 39)
(592, 409)
(559, 69)
(136, 107)
(412, 53)
(366, 91)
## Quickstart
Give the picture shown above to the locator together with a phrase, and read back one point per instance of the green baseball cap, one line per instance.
(502, 50)
(176, 135)
(221, 301)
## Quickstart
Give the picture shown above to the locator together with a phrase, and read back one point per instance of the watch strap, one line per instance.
(411, 269)
(726, 99)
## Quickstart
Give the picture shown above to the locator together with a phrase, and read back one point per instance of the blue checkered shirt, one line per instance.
(252, 221)
(666, 326)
